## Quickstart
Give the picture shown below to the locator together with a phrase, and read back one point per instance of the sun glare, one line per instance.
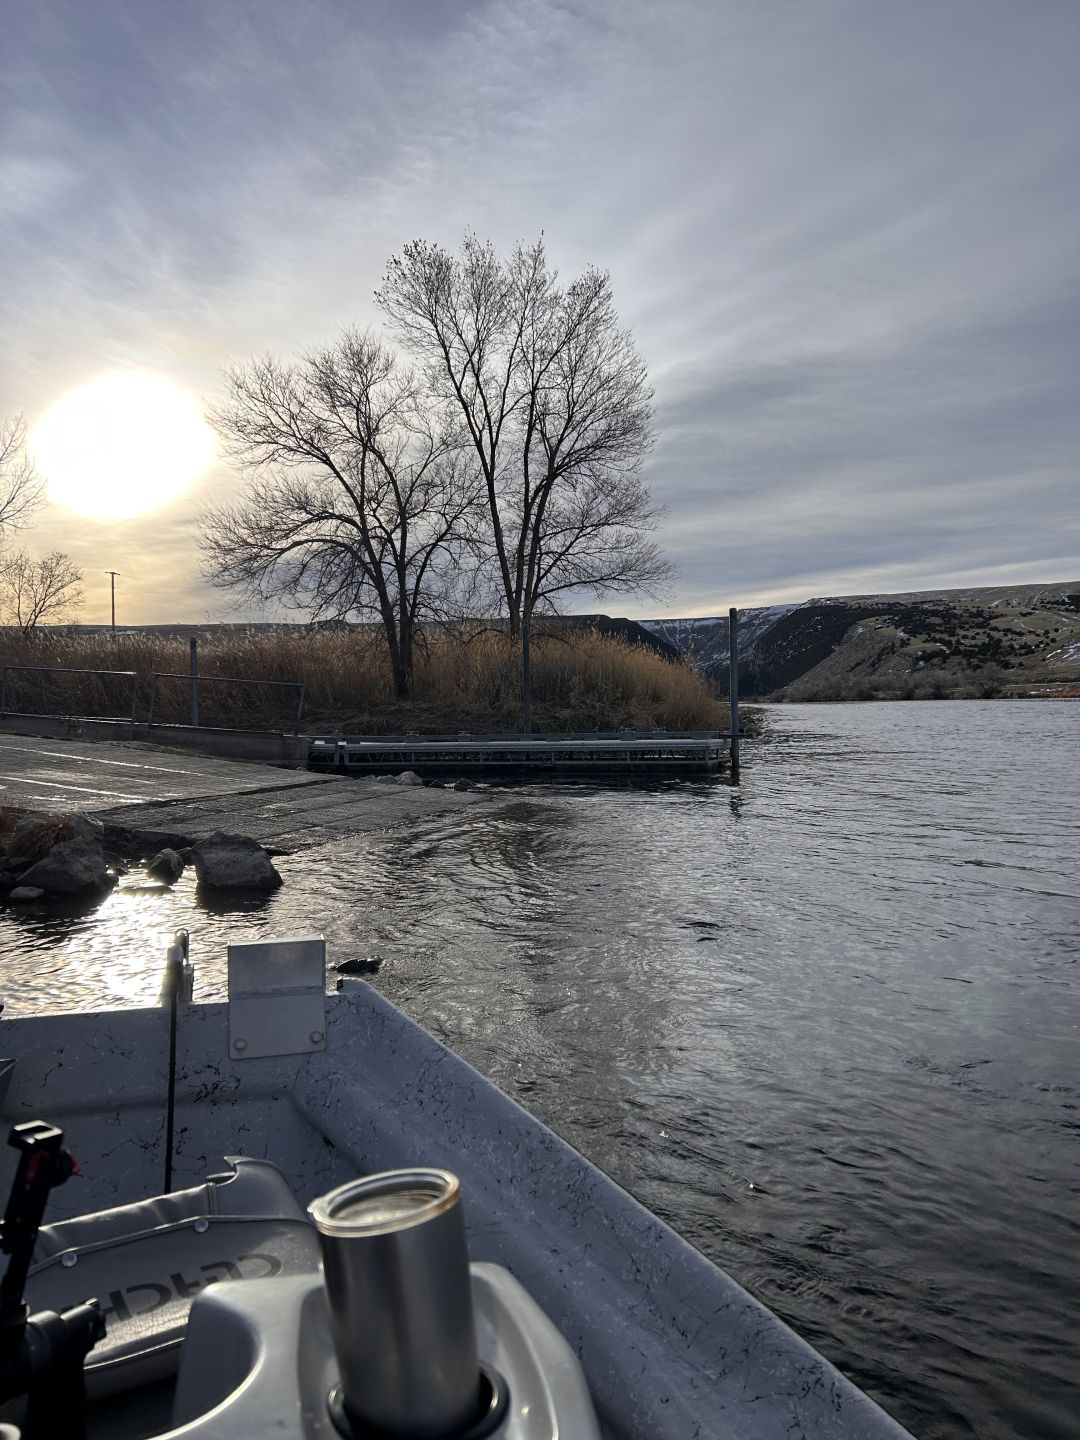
(124, 444)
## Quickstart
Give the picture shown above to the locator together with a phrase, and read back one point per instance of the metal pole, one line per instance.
(112, 574)
(172, 981)
(733, 687)
(526, 681)
(194, 647)
(175, 959)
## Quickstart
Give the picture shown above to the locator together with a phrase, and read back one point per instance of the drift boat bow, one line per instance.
(232, 1312)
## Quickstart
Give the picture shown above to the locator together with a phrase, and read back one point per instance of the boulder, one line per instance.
(233, 862)
(74, 865)
(464, 784)
(25, 894)
(408, 777)
(9, 874)
(165, 866)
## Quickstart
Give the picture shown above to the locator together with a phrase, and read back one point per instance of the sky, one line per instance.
(845, 234)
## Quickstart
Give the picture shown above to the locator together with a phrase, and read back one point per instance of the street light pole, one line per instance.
(112, 574)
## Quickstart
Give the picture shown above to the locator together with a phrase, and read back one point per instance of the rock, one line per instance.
(408, 777)
(165, 866)
(464, 784)
(25, 894)
(72, 866)
(233, 862)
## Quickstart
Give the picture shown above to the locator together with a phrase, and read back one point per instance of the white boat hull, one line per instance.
(671, 1346)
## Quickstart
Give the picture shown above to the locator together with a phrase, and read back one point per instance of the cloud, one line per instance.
(844, 236)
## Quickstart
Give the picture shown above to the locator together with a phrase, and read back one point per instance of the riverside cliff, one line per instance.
(967, 643)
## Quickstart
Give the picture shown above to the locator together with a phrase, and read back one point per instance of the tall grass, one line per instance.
(464, 680)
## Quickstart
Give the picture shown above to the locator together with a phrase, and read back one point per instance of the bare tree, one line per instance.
(21, 488)
(32, 591)
(360, 501)
(555, 402)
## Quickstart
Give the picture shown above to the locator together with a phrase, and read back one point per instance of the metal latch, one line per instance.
(277, 997)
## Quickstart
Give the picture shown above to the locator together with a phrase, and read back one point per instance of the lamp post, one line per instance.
(112, 574)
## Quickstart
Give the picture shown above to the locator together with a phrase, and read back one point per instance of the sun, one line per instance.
(124, 444)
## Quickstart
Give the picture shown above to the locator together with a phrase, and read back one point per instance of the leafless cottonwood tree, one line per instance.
(33, 591)
(555, 402)
(21, 488)
(360, 501)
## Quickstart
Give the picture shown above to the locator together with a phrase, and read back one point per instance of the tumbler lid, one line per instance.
(383, 1203)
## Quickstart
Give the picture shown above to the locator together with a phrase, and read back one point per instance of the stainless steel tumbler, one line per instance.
(397, 1280)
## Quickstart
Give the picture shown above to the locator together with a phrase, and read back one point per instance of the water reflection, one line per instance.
(106, 950)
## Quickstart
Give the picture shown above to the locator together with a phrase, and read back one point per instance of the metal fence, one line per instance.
(6, 688)
(197, 681)
(12, 694)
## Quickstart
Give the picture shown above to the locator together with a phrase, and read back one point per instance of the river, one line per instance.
(826, 1022)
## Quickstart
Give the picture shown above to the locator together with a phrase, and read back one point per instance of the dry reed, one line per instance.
(581, 681)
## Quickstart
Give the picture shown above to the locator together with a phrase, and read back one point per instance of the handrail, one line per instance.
(70, 670)
(132, 675)
(228, 680)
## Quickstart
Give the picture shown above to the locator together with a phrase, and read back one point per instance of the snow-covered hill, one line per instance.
(704, 640)
(1014, 639)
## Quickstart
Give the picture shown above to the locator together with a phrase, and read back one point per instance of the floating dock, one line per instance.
(584, 755)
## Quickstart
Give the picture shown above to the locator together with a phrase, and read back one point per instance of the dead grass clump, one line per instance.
(38, 836)
(9, 818)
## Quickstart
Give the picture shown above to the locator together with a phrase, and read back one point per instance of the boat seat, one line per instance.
(147, 1261)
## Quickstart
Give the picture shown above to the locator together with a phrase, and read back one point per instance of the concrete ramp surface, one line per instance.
(52, 775)
(146, 788)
